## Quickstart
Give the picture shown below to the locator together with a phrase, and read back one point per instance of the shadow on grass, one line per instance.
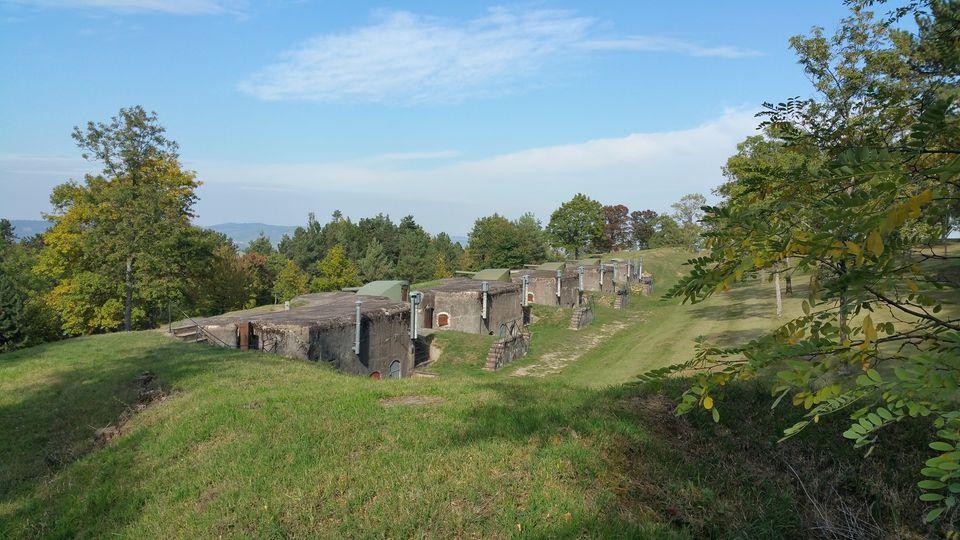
(731, 312)
(54, 422)
(730, 338)
(694, 477)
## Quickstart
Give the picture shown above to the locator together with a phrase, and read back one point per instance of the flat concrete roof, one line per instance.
(469, 285)
(326, 309)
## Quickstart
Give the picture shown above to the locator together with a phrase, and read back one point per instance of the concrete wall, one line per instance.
(593, 281)
(464, 309)
(383, 339)
(623, 271)
(544, 290)
(224, 335)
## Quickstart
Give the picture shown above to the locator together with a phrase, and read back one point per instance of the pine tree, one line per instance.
(375, 263)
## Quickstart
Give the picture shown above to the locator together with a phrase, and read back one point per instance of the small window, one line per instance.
(443, 319)
(531, 297)
(395, 369)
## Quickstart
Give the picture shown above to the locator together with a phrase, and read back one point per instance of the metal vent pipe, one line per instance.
(415, 298)
(356, 337)
(580, 271)
(484, 289)
(525, 281)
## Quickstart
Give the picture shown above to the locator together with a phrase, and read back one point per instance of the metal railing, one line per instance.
(511, 328)
(201, 331)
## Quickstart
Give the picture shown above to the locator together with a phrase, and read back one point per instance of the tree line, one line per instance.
(122, 251)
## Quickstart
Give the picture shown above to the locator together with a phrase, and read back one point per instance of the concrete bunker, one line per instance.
(325, 327)
(470, 305)
(597, 275)
(556, 286)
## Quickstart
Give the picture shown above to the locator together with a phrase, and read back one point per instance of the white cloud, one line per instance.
(412, 59)
(174, 7)
(662, 44)
(641, 170)
(415, 59)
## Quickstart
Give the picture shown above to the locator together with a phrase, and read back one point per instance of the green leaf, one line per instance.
(931, 484)
(941, 446)
(934, 514)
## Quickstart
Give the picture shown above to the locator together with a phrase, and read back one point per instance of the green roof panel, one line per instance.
(552, 266)
(493, 274)
(392, 289)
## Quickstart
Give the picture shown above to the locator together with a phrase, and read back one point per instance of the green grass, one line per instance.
(251, 444)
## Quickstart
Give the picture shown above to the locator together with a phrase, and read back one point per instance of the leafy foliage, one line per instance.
(854, 188)
(335, 272)
(496, 242)
(577, 225)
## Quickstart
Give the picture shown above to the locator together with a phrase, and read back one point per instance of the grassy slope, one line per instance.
(256, 445)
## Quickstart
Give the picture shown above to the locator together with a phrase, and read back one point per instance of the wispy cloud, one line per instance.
(174, 7)
(669, 45)
(410, 59)
(413, 59)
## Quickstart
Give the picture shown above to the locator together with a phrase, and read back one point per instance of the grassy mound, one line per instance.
(137, 435)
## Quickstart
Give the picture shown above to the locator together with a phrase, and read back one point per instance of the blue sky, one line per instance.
(444, 110)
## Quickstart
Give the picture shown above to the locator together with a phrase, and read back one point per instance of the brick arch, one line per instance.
(443, 319)
(531, 297)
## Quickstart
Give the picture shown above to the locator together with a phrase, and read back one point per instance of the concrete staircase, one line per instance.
(190, 333)
(506, 349)
(582, 316)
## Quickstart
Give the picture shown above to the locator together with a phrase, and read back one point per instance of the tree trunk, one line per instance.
(789, 279)
(128, 296)
(776, 284)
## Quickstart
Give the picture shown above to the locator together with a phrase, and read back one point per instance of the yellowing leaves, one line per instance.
(869, 330)
(708, 403)
(875, 243)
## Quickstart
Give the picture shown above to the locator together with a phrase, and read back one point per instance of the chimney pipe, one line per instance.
(525, 281)
(580, 271)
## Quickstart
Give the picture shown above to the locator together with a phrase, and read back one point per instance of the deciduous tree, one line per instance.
(577, 225)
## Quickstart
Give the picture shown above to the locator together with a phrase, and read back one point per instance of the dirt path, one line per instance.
(554, 361)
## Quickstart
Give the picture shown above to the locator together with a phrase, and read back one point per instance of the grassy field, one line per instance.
(216, 442)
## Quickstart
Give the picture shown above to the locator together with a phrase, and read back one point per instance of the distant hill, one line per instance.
(243, 233)
(25, 228)
(240, 233)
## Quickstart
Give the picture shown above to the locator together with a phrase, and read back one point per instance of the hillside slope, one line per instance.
(202, 441)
